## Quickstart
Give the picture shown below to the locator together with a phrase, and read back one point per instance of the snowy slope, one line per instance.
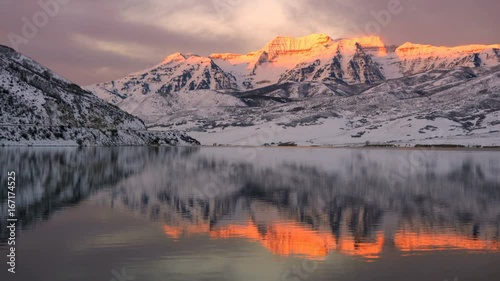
(37, 107)
(409, 110)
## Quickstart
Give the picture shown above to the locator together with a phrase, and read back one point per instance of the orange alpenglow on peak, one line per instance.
(296, 50)
(412, 49)
(285, 45)
(366, 41)
(287, 52)
(176, 57)
(320, 42)
(372, 42)
(300, 43)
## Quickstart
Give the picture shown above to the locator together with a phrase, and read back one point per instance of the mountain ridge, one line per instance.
(339, 59)
(349, 88)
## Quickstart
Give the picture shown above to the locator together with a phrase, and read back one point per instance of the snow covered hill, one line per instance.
(37, 107)
(316, 90)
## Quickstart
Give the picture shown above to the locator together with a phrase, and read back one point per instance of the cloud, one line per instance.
(93, 40)
(124, 49)
(252, 21)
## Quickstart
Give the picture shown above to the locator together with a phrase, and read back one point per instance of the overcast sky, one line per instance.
(91, 41)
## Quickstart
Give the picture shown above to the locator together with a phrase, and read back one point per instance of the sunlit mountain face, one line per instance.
(312, 58)
(357, 203)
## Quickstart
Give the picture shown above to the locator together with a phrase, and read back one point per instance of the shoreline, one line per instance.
(441, 147)
(363, 147)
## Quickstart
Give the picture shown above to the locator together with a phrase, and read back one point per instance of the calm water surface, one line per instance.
(253, 214)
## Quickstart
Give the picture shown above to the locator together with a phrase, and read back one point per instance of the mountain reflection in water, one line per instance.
(293, 202)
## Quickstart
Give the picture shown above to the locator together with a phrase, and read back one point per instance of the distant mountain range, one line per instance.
(316, 90)
(38, 107)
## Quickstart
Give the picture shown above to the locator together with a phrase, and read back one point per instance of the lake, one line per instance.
(248, 213)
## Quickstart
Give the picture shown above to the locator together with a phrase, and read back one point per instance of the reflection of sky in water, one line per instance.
(210, 212)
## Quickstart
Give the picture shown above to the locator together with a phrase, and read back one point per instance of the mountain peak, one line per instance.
(176, 57)
(367, 41)
(318, 38)
(373, 43)
(318, 42)
(412, 49)
(173, 58)
(290, 45)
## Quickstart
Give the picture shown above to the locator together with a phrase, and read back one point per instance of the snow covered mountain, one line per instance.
(38, 107)
(311, 58)
(343, 90)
